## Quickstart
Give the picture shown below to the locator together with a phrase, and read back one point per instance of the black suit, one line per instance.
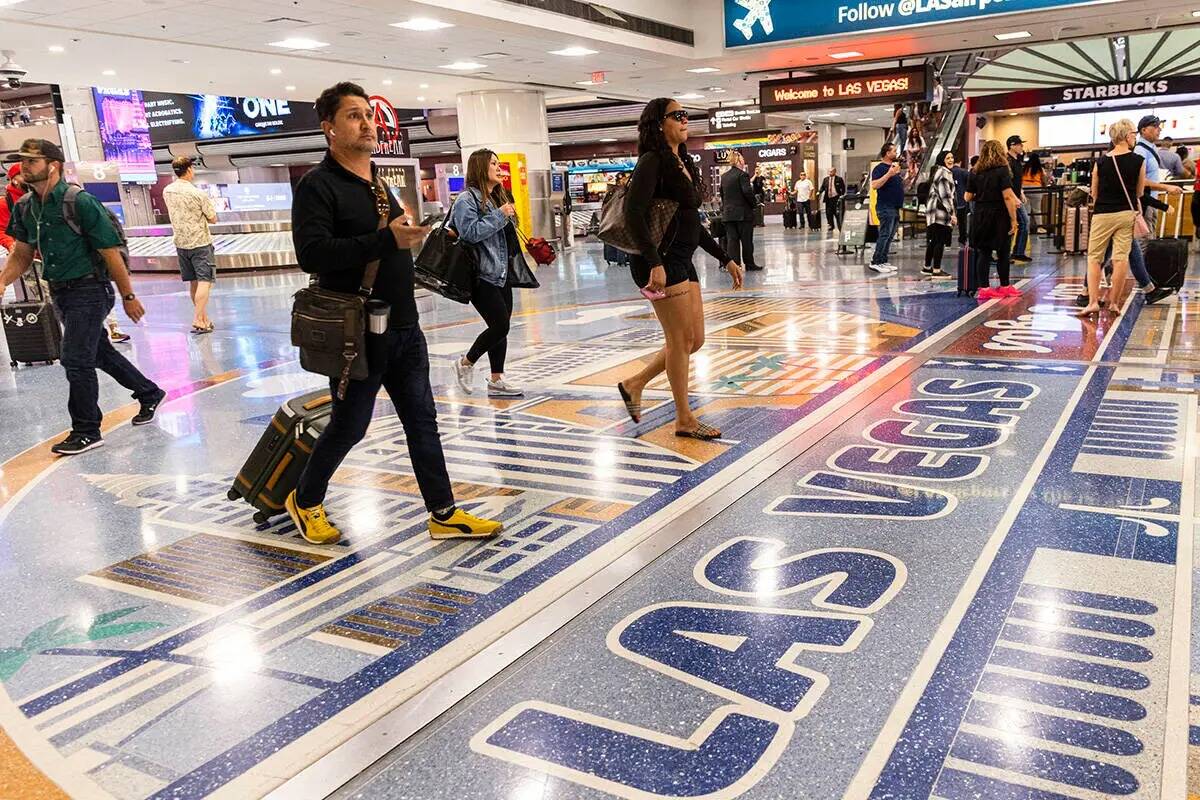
(833, 199)
(738, 204)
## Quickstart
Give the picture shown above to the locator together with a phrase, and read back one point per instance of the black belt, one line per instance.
(86, 280)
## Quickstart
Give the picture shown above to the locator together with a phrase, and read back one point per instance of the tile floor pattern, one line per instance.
(948, 555)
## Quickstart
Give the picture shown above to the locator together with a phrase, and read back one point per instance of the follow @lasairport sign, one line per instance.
(751, 22)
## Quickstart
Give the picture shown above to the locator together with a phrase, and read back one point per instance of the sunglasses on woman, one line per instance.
(678, 116)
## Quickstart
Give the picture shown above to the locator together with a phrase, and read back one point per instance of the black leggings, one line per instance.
(495, 305)
(983, 263)
(937, 237)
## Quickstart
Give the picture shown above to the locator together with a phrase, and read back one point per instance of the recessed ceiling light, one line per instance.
(299, 43)
(590, 83)
(846, 54)
(421, 98)
(702, 70)
(1196, 13)
(423, 86)
(494, 56)
(1012, 113)
(863, 119)
(56, 48)
(448, 152)
(554, 144)
(289, 88)
(387, 81)
(109, 72)
(1004, 37)
(422, 24)
(276, 71)
(279, 165)
(607, 139)
(463, 65)
(574, 50)
(715, 90)
(688, 96)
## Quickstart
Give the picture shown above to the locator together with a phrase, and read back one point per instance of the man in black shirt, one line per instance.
(1016, 165)
(335, 229)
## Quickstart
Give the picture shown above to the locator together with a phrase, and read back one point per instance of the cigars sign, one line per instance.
(847, 89)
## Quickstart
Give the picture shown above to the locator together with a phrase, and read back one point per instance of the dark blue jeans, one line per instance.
(406, 379)
(86, 348)
(1021, 242)
(889, 219)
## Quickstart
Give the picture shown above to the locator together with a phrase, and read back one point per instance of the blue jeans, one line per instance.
(889, 219)
(86, 348)
(406, 379)
(1022, 240)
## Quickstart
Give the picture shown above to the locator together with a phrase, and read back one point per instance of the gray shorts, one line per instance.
(198, 264)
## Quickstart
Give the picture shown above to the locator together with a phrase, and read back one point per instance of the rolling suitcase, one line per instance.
(790, 217)
(615, 255)
(274, 466)
(1166, 261)
(716, 227)
(814, 220)
(31, 327)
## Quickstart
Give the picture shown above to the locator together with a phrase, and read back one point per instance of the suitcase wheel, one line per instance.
(12, 363)
(260, 518)
(232, 494)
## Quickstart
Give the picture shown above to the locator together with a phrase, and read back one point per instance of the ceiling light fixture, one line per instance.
(1006, 37)
(423, 86)
(590, 83)
(276, 71)
(387, 81)
(493, 56)
(422, 24)
(846, 54)
(56, 48)
(1196, 13)
(607, 139)
(702, 70)
(688, 96)
(421, 98)
(463, 65)
(109, 72)
(299, 43)
(289, 88)
(574, 51)
(863, 119)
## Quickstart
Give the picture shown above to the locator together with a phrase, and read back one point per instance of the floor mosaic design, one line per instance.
(970, 577)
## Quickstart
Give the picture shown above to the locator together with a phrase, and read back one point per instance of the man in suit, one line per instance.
(737, 210)
(833, 190)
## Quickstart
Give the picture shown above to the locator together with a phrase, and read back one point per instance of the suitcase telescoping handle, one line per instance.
(37, 279)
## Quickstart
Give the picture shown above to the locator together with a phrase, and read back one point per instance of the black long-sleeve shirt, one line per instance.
(335, 230)
(661, 176)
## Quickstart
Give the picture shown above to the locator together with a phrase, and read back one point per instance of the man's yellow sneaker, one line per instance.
(461, 525)
(312, 523)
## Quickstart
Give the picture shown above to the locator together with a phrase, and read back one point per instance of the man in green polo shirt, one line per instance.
(81, 268)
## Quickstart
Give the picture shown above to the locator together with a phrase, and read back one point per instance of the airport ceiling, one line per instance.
(225, 46)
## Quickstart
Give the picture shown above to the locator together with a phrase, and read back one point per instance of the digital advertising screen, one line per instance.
(199, 117)
(125, 133)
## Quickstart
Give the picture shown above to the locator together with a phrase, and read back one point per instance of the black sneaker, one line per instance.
(146, 414)
(926, 270)
(77, 443)
(1156, 294)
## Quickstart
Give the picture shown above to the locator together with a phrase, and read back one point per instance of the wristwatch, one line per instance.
(128, 297)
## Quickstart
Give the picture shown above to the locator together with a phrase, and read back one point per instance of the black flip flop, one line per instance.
(634, 409)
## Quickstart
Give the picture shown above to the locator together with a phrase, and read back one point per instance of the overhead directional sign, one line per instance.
(751, 22)
(737, 118)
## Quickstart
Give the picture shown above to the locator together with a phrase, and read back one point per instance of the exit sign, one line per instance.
(599, 77)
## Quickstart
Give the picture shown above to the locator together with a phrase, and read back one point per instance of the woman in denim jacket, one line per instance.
(484, 216)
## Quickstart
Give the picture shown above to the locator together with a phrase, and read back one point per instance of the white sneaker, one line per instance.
(880, 268)
(501, 389)
(465, 373)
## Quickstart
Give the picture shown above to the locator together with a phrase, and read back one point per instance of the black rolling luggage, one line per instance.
(790, 217)
(274, 466)
(31, 328)
(716, 227)
(1166, 261)
(615, 255)
(814, 220)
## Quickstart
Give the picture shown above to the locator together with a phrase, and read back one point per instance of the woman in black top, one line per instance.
(1118, 180)
(666, 171)
(989, 187)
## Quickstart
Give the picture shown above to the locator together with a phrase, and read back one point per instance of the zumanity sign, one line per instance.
(751, 22)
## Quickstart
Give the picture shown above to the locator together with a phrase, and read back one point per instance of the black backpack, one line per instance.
(923, 192)
(70, 214)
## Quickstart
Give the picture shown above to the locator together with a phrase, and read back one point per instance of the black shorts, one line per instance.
(679, 270)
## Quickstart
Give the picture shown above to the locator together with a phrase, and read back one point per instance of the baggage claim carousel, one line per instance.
(240, 245)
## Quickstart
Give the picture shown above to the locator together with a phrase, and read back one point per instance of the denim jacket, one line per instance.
(486, 232)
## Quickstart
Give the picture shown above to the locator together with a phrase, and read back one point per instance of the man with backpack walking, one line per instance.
(81, 246)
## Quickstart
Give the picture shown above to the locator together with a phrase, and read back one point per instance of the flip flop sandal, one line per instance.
(634, 409)
(705, 433)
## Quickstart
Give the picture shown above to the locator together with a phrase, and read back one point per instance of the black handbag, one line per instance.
(330, 328)
(446, 265)
(520, 276)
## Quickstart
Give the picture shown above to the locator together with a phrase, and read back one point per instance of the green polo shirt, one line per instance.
(65, 255)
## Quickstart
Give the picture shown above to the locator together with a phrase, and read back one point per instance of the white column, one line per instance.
(511, 121)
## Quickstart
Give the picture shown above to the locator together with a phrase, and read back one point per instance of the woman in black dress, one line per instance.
(989, 187)
(666, 171)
